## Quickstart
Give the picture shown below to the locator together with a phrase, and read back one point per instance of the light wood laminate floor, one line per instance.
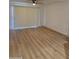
(38, 43)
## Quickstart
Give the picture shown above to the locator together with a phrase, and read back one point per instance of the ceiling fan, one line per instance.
(34, 2)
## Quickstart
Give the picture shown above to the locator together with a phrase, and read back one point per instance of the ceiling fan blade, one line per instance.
(33, 1)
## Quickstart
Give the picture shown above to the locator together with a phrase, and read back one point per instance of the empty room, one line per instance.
(39, 29)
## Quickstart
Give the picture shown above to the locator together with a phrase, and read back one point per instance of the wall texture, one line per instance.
(56, 17)
(26, 17)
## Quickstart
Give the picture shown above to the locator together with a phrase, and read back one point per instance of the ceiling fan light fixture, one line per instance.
(34, 4)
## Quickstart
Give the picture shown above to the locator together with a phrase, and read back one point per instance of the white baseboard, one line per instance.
(57, 31)
(16, 28)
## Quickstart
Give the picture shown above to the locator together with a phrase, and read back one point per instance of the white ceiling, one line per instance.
(38, 1)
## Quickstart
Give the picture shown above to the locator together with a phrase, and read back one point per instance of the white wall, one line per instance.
(56, 17)
(11, 17)
(41, 15)
(25, 17)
